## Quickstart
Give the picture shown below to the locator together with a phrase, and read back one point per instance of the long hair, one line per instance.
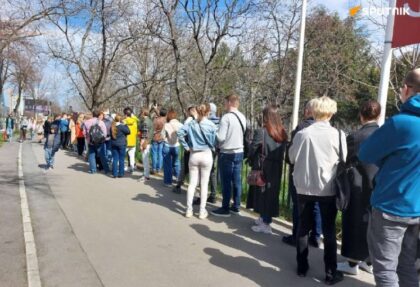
(80, 118)
(202, 111)
(272, 122)
(114, 131)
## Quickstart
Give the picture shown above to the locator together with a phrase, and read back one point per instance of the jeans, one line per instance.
(185, 168)
(230, 168)
(9, 134)
(118, 157)
(317, 222)
(49, 157)
(157, 157)
(131, 151)
(97, 150)
(213, 178)
(328, 214)
(393, 249)
(171, 164)
(146, 161)
(108, 151)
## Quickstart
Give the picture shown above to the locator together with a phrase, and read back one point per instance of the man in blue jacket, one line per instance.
(394, 224)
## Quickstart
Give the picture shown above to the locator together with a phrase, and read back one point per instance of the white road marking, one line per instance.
(34, 280)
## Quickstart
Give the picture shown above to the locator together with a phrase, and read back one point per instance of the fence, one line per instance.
(284, 197)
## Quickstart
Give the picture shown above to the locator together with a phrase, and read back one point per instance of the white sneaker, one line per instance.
(346, 268)
(263, 228)
(188, 214)
(203, 214)
(367, 268)
(259, 221)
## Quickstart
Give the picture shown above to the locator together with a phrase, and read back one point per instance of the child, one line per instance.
(52, 145)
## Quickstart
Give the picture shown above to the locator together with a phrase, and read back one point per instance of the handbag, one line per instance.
(256, 176)
(342, 181)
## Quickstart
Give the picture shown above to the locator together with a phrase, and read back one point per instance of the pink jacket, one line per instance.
(89, 123)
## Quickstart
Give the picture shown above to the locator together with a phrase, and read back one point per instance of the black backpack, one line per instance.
(96, 134)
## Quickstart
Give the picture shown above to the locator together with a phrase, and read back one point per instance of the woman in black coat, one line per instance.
(267, 150)
(355, 217)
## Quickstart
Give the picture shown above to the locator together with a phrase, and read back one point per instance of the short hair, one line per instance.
(171, 115)
(412, 80)
(163, 112)
(370, 110)
(309, 105)
(324, 107)
(96, 113)
(232, 98)
(128, 109)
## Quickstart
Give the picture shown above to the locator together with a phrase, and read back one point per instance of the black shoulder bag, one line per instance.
(342, 181)
(256, 176)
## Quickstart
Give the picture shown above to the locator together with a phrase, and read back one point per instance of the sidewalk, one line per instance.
(133, 234)
(12, 248)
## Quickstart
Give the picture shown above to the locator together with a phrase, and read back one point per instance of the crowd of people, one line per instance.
(380, 226)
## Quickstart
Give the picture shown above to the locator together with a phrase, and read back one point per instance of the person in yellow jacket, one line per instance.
(132, 122)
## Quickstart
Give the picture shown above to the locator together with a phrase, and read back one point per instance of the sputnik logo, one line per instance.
(405, 10)
(411, 12)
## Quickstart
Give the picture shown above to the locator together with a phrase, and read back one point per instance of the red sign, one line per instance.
(407, 23)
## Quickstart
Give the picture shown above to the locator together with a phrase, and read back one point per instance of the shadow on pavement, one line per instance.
(244, 266)
(164, 197)
(261, 247)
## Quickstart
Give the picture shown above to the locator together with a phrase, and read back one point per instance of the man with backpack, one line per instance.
(96, 133)
(230, 139)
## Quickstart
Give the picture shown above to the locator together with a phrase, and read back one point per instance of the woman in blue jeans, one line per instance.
(171, 162)
(119, 133)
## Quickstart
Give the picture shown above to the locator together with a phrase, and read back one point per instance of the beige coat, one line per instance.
(72, 127)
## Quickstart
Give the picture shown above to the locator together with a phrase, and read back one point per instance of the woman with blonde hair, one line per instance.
(80, 137)
(315, 152)
(201, 135)
(119, 133)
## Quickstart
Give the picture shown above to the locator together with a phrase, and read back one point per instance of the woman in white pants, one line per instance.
(201, 135)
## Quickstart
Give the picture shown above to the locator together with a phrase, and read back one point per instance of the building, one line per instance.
(34, 107)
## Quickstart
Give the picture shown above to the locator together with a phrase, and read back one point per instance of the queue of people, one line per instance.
(380, 226)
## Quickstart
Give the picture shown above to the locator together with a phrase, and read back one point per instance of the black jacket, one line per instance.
(354, 140)
(266, 203)
(355, 217)
(120, 140)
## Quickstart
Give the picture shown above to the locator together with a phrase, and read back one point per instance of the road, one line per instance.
(93, 230)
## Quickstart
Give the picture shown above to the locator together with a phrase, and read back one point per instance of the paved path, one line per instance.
(92, 230)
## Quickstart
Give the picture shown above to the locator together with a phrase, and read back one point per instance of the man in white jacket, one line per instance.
(315, 154)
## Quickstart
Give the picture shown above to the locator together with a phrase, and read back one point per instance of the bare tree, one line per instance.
(91, 51)
(210, 22)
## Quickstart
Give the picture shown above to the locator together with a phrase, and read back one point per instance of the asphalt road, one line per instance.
(93, 230)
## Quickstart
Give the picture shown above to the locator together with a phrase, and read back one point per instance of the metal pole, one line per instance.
(295, 115)
(386, 63)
